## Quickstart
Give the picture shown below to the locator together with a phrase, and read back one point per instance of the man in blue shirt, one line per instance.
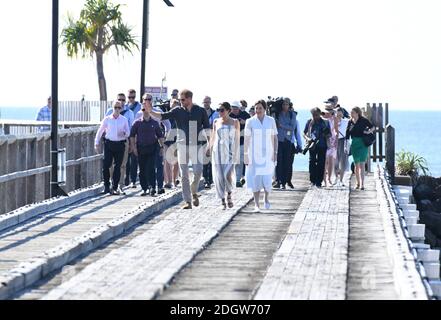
(128, 114)
(45, 114)
(132, 160)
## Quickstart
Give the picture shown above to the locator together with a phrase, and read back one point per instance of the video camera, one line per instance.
(163, 104)
(310, 144)
(274, 106)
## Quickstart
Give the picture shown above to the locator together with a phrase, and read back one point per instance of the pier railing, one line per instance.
(24, 127)
(71, 114)
(25, 165)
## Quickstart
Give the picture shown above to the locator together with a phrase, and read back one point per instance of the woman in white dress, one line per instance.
(260, 153)
(225, 147)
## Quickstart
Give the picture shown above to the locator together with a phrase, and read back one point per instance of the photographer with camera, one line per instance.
(316, 133)
(286, 122)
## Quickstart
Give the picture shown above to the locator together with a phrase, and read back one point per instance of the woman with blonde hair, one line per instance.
(358, 127)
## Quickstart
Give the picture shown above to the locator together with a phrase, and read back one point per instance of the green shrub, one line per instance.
(411, 164)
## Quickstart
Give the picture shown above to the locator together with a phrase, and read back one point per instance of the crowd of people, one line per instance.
(231, 146)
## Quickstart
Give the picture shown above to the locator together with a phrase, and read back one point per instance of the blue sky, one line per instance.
(362, 51)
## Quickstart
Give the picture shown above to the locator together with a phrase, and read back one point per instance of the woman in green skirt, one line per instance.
(358, 127)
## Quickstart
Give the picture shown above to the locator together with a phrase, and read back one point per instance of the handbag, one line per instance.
(369, 139)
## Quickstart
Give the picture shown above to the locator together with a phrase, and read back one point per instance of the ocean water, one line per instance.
(415, 131)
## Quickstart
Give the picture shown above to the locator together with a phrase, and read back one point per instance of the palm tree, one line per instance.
(98, 29)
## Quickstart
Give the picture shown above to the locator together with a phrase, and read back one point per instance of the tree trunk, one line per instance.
(101, 79)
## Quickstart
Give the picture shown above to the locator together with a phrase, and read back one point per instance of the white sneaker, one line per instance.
(256, 209)
(267, 205)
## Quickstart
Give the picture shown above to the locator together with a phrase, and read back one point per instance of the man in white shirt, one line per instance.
(128, 114)
(116, 128)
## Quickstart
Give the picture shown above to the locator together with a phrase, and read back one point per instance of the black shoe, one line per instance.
(276, 186)
(318, 185)
(290, 185)
(283, 187)
(242, 181)
(161, 191)
(177, 183)
(106, 190)
(134, 185)
(152, 192)
(168, 186)
(238, 184)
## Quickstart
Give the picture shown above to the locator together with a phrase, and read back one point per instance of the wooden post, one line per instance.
(40, 179)
(390, 151)
(77, 153)
(373, 119)
(47, 162)
(83, 166)
(380, 132)
(3, 170)
(11, 195)
(31, 161)
(20, 184)
(387, 114)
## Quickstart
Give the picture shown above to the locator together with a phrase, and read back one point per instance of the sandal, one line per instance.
(224, 205)
(230, 202)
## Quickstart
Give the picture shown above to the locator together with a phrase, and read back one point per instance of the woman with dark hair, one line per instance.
(316, 133)
(358, 127)
(224, 149)
(260, 153)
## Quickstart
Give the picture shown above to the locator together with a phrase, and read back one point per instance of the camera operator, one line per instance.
(242, 116)
(286, 127)
(316, 132)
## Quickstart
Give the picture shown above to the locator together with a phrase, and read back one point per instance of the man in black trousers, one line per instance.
(316, 133)
(146, 140)
(116, 128)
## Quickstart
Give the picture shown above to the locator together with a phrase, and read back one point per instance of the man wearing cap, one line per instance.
(242, 116)
(333, 102)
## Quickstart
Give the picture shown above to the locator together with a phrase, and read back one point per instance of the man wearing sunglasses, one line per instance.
(192, 126)
(132, 161)
(127, 114)
(116, 130)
